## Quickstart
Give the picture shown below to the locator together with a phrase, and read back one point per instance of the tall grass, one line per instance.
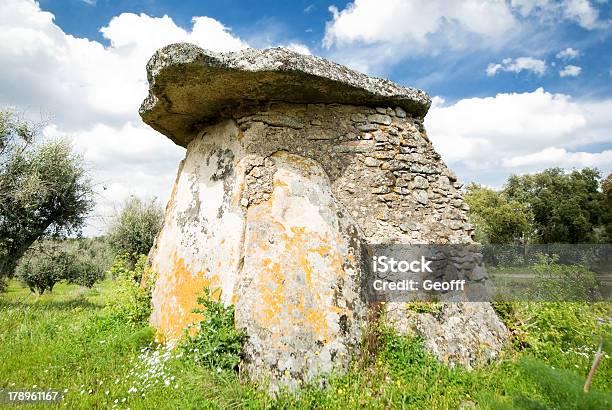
(68, 341)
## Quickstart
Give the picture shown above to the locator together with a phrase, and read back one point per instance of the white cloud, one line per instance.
(398, 21)
(560, 157)
(437, 101)
(516, 65)
(528, 7)
(570, 71)
(92, 92)
(579, 11)
(131, 159)
(149, 33)
(299, 48)
(568, 54)
(371, 35)
(80, 81)
(484, 139)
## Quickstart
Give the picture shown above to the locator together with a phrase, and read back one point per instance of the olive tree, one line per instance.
(45, 190)
(134, 227)
(50, 261)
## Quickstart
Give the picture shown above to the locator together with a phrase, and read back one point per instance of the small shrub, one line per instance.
(131, 302)
(84, 272)
(560, 282)
(217, 344)
(404, 352)
(547, 328)
(51, 261)
(41, 272)
(425, 307)
(141, 337)
(129, 267)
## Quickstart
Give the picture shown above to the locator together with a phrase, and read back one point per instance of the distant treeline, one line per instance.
(552, 206)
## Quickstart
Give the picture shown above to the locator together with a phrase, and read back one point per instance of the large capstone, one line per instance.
(294, 166)
(190, 86)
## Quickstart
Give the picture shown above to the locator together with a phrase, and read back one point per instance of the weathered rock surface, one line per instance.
(262, 225)
(467, 334)
(276, 200)
(190, 86)
(299, 293)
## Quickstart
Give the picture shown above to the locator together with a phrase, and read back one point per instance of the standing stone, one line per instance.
(275, 207)
(299, 292)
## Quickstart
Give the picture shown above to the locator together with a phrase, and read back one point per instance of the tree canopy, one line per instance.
(552, 206)
(44, 189)
(566, 207)
(134, 228)
(496, 218)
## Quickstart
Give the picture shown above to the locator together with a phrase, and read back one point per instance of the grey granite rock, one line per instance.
(190, 86)
(467, 334)
(293, 166)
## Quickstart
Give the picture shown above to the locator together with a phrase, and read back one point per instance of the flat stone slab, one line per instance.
(190, 87)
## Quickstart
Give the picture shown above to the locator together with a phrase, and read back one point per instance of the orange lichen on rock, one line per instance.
(293, 281)
(178, 291)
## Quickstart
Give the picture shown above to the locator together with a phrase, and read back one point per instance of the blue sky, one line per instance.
(518, 85)
(460, 74)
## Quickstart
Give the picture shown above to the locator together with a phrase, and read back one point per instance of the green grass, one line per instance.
(67, 341)
(64, 341)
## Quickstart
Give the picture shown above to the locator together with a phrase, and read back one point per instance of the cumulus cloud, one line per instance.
(570, 71)
(397, 21)
(374, 35)
(371, 35)
(130, 159)
(516, 65)
(149, 33)
(78, 81)
(580, 12)
(568, 54)
(484, 139)
(92, 93)
(560, 157)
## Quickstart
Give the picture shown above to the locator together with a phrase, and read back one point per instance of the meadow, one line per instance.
(85, 332)
(91, 346)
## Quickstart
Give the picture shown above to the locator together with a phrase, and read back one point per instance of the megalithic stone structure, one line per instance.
(294, 164)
